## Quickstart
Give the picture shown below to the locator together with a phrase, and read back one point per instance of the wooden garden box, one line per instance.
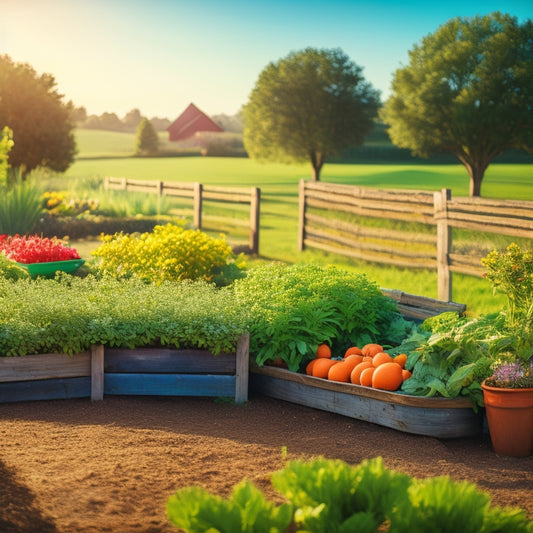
(435, 417)
(142, 371)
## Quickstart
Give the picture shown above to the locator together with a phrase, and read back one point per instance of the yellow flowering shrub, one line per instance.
(168, 253)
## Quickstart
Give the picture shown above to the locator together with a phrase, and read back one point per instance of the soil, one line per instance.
(77, 465)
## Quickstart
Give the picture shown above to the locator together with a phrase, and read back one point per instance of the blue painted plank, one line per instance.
(167, 361)
(169, 384)
(48, 389)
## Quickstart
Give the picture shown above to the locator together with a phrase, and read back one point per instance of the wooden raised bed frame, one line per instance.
(142, 371)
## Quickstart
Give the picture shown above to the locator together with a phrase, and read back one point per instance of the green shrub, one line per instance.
(69, 314)
(168, 253)
(329, 496)
(296, 308)
(10, 270)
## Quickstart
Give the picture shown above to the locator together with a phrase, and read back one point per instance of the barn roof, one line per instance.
(191, 121)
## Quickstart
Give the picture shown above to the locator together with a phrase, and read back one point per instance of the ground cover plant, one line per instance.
(68, 314)
(326, 495)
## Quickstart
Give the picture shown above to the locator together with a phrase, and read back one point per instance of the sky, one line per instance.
(158, 56)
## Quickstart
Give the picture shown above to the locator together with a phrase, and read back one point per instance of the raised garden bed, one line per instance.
(143, 371)
(435, 417)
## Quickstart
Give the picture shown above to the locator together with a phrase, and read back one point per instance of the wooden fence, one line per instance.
(198, 194)
(325, 210)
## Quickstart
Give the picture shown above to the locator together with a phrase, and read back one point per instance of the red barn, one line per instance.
(191, 121)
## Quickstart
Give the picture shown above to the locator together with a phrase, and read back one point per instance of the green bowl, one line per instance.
(48, 270)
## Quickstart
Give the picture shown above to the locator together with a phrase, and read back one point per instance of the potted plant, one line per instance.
(41, 256)
(508, 393)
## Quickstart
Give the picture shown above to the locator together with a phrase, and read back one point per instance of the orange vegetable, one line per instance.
(340, 372)
(309, 367)
(322, 366)
(355, 376)
(401, 359)
(380, 358)
(323, 350)
(353, 350)
(354, 359)
(371, 349)
(387, 376)
(406, 374)
(366, 376)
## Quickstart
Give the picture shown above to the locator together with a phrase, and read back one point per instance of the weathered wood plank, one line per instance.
(169, 385)
(97, 372)
(439, 421)
(242, 357)
(44, 366)
(48, 389)
(167, 361)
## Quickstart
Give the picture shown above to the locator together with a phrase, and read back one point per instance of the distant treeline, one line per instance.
(129, 122)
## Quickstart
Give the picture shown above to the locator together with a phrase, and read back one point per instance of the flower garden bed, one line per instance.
(144, 371)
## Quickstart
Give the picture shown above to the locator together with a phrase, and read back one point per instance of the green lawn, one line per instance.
(279, 203)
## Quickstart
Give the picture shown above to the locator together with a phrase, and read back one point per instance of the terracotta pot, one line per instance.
(510, 419)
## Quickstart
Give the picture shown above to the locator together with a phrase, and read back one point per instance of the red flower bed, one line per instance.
(34, 249)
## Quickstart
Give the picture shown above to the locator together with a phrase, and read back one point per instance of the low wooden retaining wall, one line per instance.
(143, 371)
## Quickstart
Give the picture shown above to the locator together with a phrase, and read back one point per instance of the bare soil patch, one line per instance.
(77, 465)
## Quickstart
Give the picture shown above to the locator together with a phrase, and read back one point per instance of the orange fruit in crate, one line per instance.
(353, 350)
(387, 376)
(406, 374)
(401, 359)
(340, 372)
(371, 349)
(355, 376)
(380, 358)
(354, 359)
(322, 366)
(323, 350)
(309, 367)
(366, 376)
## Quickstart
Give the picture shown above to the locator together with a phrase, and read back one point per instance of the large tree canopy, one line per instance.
(468, 91)
(307, 107)
(41, 123)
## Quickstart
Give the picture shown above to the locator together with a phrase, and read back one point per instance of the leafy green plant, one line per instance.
(20, 208)
(295, 308)
(6, 143)
(330, 496)
(168, 253)
(69, 314)
(197, 511)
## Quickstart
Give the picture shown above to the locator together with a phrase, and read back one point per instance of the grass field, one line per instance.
(279, 200)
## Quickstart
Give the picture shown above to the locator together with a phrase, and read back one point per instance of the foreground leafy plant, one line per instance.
(330, 496)
(296, 308)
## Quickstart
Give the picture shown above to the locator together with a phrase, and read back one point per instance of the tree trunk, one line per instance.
(476, 171)
(317, 162)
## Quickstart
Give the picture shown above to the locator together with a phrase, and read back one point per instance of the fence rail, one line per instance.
(198, 194)
(424, 247)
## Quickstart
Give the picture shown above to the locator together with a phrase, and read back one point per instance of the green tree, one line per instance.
(307, 107)
(468, 91)
(41, 123)
(147, 140)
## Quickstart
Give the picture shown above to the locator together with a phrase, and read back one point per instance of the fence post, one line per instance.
(444, 244)
(123, 184)
(255, 202)
(197, 205)
(160, 185)
(301, 215)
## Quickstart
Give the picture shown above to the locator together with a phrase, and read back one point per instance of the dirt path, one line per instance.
(77, 465)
